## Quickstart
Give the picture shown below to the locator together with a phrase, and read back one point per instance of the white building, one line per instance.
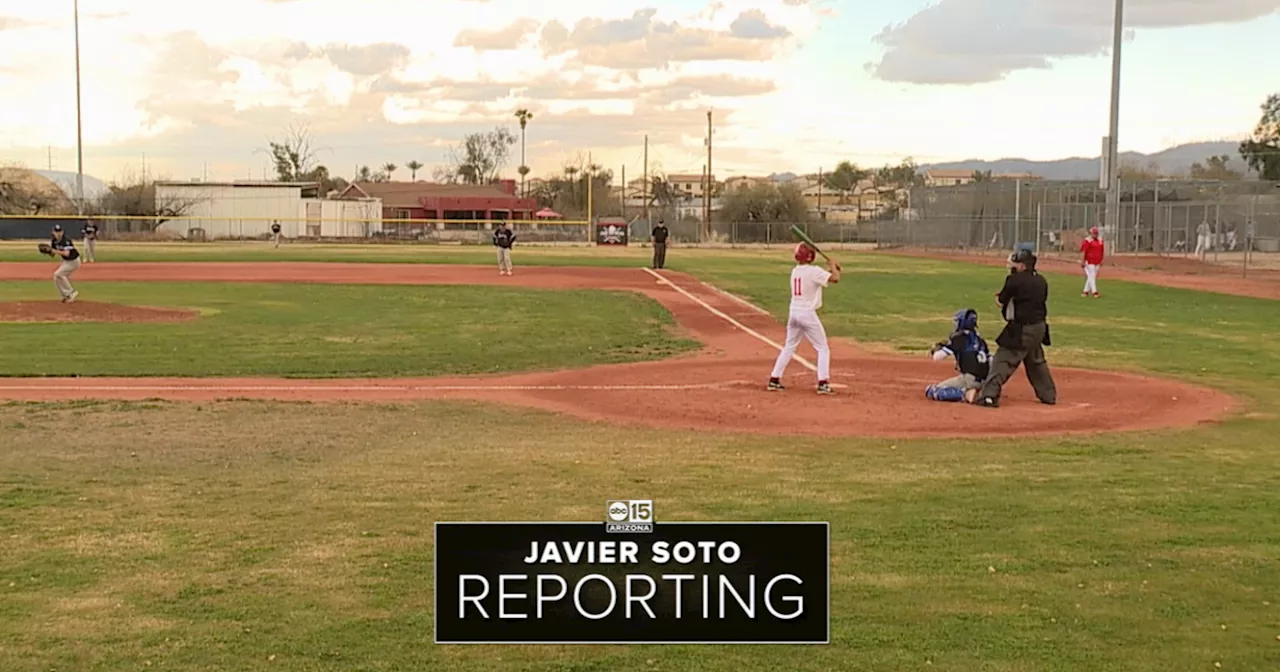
(247, 209)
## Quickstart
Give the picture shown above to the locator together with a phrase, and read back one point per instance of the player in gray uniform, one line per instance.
(65, 250)
(90, 234)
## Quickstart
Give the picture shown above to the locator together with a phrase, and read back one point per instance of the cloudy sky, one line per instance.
(199, 88)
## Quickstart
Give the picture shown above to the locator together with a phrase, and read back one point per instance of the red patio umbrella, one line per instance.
(547, 213)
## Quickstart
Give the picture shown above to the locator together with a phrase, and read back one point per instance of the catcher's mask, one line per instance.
(805, 254)
(1026, 257)
(965, 319)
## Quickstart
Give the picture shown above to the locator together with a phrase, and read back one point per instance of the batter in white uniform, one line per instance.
(807, 282)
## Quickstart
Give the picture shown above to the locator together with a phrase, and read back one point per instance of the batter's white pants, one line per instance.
(807, 325)
(1090, 278)
(1202, 245)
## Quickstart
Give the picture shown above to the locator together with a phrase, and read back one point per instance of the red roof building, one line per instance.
(429, 201)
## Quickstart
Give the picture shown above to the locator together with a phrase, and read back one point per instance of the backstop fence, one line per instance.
(1230, 221)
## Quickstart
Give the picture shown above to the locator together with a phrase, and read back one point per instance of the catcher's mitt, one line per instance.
(45, 249)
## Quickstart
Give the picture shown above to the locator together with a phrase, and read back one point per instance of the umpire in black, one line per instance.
(660, 234)
(1023, 302)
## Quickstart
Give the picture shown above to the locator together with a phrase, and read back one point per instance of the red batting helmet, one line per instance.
(805, 254)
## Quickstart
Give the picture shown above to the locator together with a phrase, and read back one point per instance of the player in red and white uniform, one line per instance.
(1092, 253)
(807, 282)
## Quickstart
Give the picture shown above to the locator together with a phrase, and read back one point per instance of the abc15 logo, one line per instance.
(629, 511)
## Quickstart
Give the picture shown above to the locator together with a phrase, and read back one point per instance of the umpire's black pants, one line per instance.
(659, 255)
(1029, 353)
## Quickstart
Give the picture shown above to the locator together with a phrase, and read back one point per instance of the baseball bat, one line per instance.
(804, 237)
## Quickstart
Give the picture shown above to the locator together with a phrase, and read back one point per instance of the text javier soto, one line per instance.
(683, 583)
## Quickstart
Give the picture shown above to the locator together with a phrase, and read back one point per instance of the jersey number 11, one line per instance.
(795, 287)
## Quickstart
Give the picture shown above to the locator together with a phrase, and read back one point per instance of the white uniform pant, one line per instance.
(807, 325)
(62, 277)
(504, 260)
(1090, 278)
(1203, 243)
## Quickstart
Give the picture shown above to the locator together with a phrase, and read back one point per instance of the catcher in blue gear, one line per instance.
(972, 360)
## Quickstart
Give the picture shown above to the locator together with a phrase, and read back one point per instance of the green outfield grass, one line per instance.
(317, 331)
(297, 537)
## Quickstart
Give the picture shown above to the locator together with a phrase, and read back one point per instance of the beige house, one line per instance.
(947, 178)
(744, 182)
(692, 186)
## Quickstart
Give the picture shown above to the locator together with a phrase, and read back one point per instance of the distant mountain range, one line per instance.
(1172, 161)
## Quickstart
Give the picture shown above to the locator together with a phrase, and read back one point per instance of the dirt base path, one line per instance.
(1162, 271)
(719, 388)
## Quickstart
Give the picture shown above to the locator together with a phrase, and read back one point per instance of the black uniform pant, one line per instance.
(659, 255)
(1029, 353)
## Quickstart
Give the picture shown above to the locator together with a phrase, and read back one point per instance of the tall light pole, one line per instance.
(79, 130)
(1113, 147)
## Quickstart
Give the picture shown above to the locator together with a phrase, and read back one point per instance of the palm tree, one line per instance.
(524, 116)
(389, 169)
(414, 167)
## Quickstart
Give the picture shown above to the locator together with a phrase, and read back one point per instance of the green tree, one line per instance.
(524, 116)
(1215, 168)
(414, 167)
(765, 203)
(1262, 150)
(983, 176)
(390, 170)
(845, 177)
(902, 176)
(1132, 172)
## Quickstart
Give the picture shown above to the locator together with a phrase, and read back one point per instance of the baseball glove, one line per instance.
(45, 249)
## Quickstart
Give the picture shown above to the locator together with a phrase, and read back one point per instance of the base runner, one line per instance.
(972, 358)
(807, 282)
(1091, 250)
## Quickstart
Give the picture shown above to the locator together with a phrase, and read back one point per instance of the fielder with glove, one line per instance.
(972, 360)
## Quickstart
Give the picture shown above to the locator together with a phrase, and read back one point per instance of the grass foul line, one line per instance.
(765, 339)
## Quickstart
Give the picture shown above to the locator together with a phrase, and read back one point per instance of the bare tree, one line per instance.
(133, 195)
(17, 199)
(294, 155)
(479, 159)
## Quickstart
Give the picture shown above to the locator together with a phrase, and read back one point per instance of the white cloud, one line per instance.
(974, 41)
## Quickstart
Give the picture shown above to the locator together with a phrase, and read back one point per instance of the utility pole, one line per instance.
(624, 192)
(79, 125)
(819, 192)
(645, 187)
(1113, 140)
(50, 157)
(706, 194)
(706, 222)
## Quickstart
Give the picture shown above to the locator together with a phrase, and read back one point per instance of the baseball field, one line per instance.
(230, 457)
